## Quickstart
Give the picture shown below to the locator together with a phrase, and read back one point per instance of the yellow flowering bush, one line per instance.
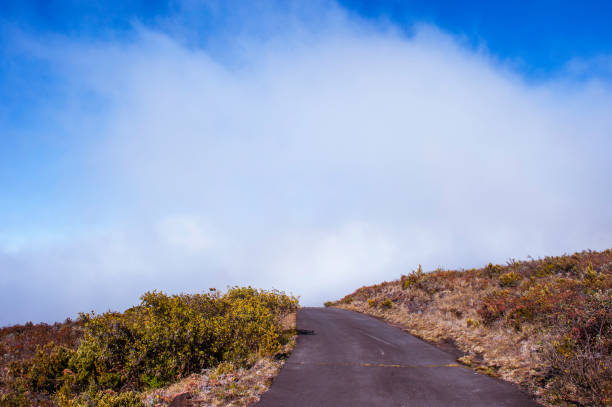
(509, 279)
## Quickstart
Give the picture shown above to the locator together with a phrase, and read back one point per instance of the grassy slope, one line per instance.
(544, 324)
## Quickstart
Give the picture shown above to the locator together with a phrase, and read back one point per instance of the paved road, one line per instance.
(355, 360)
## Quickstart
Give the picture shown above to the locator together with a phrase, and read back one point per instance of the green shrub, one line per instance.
(386, 303)
(168, 337)
(415, 277)
(125, 399)
(557, 265)
(371, 303)
(510, 279)
(159, 341)
(471, 323)
(45, 369)
(16, 397)
(328, 303)
(493, 270)
(594, 279)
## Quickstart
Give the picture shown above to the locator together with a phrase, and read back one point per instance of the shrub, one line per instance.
(328, 303)
(386, 303)
(168, 337)
(125, 399)
(582, 354)
(371, 303)
(106, 398)
(155, 343)
(413, 278)
(557, 265)
(590, 274)
(509, 279)
(15, 397)
(493, 306)
(595, 279)
(471, 323)
(45, 369)
(493, 269)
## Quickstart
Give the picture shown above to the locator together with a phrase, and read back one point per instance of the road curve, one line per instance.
(351, 359)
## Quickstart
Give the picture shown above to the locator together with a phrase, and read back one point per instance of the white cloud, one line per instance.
(184, 232)
(320, 162)
(324, 263)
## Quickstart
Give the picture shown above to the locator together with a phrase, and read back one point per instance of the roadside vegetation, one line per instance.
(214, 348)
(543, 324)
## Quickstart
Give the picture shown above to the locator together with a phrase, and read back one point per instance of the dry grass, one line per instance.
(545, 324)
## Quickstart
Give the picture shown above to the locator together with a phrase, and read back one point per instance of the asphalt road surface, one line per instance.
(344, 358)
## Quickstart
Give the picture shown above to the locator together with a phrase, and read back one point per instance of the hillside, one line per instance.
(214, 348)
(543, 324)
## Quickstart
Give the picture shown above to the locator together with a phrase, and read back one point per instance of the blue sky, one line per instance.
(308, 146)
(542, 35)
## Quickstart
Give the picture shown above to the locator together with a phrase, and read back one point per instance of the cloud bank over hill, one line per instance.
(312, 160)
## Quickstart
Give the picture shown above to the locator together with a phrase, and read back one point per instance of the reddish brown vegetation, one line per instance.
(19, 343)
(545, 324)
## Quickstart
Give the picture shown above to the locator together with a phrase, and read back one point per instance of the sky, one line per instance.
(312, 147)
